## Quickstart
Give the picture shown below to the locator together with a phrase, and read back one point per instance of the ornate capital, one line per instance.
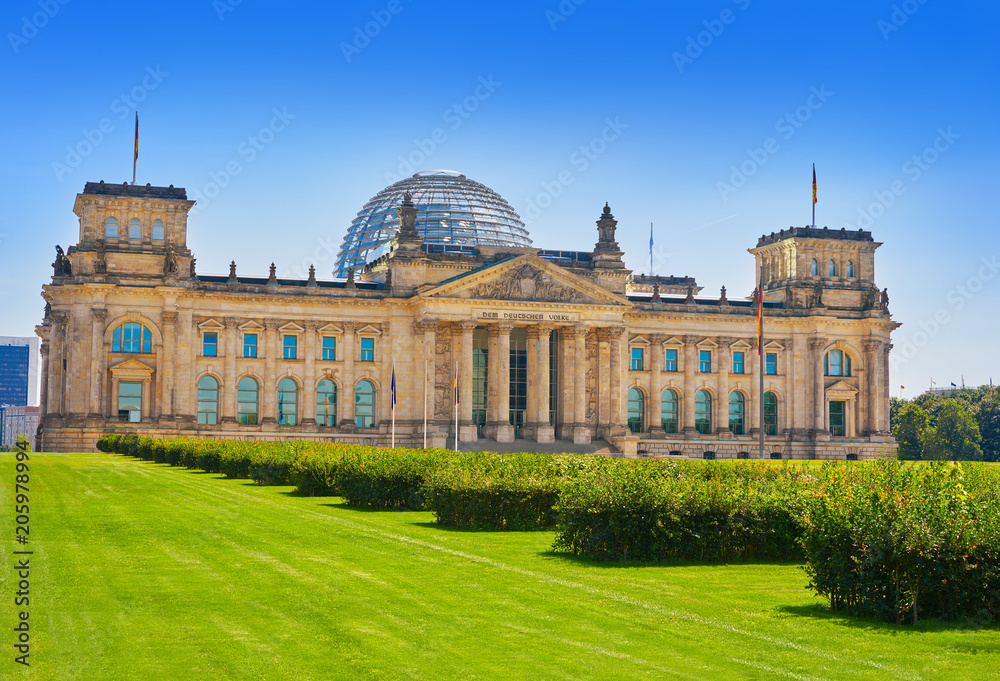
(532, 333)
(44, 349)
(467, 326)
(311, 325)
(233, 322)
(425, 326)
(580, 330)
(98, 314)
(690, 341)
(871, 345)
(349, 327)
(169, 316)
(269, 324)
(505, 327)
(724, 341)
(657, 338)
(817, 343)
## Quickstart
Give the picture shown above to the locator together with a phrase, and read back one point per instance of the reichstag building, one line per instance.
(437, 277)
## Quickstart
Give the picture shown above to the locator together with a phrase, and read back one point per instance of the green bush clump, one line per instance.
(488, 491)
(316, 471)
(656, 511)
(901, 542)
(381, 478)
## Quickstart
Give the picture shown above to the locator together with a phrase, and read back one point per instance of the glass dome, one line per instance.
(451, 210)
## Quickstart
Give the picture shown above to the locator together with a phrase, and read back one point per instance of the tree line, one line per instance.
(962, 426)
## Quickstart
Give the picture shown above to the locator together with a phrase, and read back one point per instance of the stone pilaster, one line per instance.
(269, 392)
(347, 385)
(98, 362)
(545, 431)
(230, 379)
(723, 365)
(308, 391)
(690, 386)
(819, 430)
(656, 363)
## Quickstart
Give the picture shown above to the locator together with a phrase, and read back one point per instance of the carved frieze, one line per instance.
(527, 283)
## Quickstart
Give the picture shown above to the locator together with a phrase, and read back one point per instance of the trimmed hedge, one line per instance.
(656, 511)
(904, 542)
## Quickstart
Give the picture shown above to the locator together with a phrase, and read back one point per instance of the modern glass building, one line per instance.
(452, 210)
(18, 371)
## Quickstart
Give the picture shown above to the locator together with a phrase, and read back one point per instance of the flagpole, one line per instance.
(135, 158)
(760, 356)
(814, 196)
(650, 249)
(456, 406)
(393, 403)
(425, 403)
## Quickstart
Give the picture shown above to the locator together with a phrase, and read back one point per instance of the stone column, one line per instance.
(504, 428)
(546, 430)
(166, 371)
(230, 379)
(467, 429)
(581, 429)
(723, 364)
(656, 363)
(493, 410)
(307, 395)
(146, 411)
(43, 397)
(56, 338)
(882, 391)
(690, 387)
(616, 402)
(820, 427)
(531, 412)
(869, 387)
(268, 391)
(97, 362)
(347, 380)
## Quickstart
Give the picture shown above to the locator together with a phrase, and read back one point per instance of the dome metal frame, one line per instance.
(451, 210)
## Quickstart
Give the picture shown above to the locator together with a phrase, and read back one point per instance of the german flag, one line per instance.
(814, 184)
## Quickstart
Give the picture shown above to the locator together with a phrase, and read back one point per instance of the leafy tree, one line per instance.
(908, 429)
(896, 405)
(930, 403)
(956, 436)
(988, 419)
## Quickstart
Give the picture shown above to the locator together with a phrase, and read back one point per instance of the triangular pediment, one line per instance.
(741, 345)
(291, 327)
(210, 325)
(525, 278)
(841, 389)
(132, 369)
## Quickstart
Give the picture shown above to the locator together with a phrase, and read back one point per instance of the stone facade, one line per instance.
(541, 348)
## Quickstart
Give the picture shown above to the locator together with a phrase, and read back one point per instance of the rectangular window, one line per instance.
(210, 346)
(157, 234)
(367, 349)
(130, 401)
(671, 364)
(329, 347)
(771, 363)
(249, 345)
(705, 361)
(636, 359)
(737, 362)
(837, 419)
(290, 345)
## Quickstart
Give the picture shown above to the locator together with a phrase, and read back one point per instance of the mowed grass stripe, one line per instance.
(165, 573)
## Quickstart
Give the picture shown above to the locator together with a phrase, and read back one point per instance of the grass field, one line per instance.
(142, 571)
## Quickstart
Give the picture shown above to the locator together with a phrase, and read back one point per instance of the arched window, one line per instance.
(833, 268)
(246, 401)
(636, 409)
(111, 228)
(288, 402)
(668, 411)
(364, 405)
(208, 401)
(737, 412)
(326, 403)
(134, 229)
(742, 455)
(775, 455)
(815, 267)
(837, 363)
(708, 455)
(132, 337)
(703, 412)
(770, 414)
(157, 230)
(850, 268)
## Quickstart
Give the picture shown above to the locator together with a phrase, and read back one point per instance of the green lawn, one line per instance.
(142, 571)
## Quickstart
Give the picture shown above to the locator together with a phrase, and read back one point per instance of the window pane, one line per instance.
(636, 409)
(329, 348)
(737, 362)
(668, 411)
(288, 402)
(367, 349)
(703, 412)
(833, 268)
(705, 362)
(837, 419)
(134, 229)
(290, 347)
(364, 405)
(210, 345)
(246, 406)
(157, 230)
(249, 345)
(208, 401)
(130, 401)
(326, 403)
(770, 414)
(671, 364)
(111, 228)
(771, 363)
(636, 359)
(736, 413)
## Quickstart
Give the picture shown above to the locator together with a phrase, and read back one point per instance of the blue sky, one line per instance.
(558, 106)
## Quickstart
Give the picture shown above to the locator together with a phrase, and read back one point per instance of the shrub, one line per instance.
(901, 543)
(372, 477)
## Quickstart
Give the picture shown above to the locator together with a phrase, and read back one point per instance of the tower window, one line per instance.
(157, 230)
(833, 268)
(111, 228)
(134, 229)
(815, 267)
(850, 268)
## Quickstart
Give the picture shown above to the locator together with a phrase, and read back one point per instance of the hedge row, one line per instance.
(888, 540)
(906, 542)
